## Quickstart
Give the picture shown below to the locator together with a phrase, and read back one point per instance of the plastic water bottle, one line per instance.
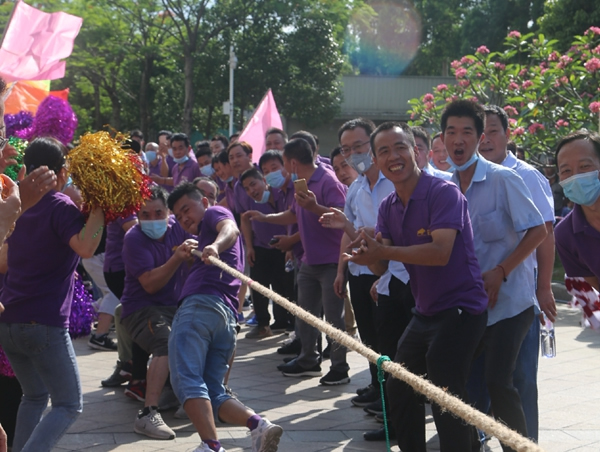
(548, 339)
(289, 266)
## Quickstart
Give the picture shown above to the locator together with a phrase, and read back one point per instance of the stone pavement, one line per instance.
(318, 418)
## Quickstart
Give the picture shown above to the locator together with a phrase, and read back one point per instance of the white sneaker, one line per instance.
(203, 447)
(265, 437)
(180, 413)
(152, 425)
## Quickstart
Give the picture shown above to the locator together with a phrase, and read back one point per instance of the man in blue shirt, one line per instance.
(507, 228)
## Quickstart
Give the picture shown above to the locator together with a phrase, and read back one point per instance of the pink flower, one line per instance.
(543, 71)
(412, 116)
(483, 50)
(428, 97)
(596, 50)
(533, 128)
(519, 131)
(513, 86)
(543, 65)
(593, 64)
(455, 64)
(512, 122)
(564, 61)
(474, 99)
(595, 107)
(514, 34)
(553, 56)
(499, 66)
(429, 106)
(592, 30)
(467, 61)
(464, 83)
(523, 72)
(527, 84)
(511, 111)
(561, 81)
(441, 88)
(460, 72)
(561, 123)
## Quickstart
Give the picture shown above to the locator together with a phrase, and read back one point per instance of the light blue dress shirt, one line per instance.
(501, 210)
(433, 171)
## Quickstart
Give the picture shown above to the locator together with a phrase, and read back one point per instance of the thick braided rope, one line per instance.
(438, 395)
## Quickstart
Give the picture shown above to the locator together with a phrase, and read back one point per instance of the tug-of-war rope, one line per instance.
(445, 400)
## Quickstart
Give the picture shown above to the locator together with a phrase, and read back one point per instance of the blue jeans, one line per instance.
(43, 360)
(201, 343)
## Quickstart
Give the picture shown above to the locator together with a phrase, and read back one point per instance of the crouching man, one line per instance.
(203, 333)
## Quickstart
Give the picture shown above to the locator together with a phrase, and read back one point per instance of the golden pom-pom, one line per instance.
(108, 176)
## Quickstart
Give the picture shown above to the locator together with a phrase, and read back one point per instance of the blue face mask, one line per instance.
(229, 179)
(464, 166)
(154, 229)
(361, 162)
(275, 179)
(294, 177)
(582, 189)
(150, 156)
(68, 184)
(265, 197)
(183, 159)
(207, 170)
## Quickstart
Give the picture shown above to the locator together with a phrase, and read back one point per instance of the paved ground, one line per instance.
(317, 418)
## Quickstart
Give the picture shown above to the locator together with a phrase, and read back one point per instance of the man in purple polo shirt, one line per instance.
(319, 263)
(203, 333)
(267, 264)
(425, 224)
(225, 180)
(578, 234)
(153, 251)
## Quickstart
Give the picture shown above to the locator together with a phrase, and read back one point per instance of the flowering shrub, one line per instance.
(545, 93)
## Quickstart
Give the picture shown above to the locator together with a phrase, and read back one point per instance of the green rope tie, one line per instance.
(381, 379)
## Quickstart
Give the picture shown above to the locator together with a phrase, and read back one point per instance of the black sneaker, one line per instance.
(379, 434)
(279, 327)
(293, 348)
(122, 374)
(102, 342)
(374, 408)
(288, 359)
(334, 377)
(293, 369)
(368, 397)
(361, 391)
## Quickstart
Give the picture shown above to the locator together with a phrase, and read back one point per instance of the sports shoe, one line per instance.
(181, 414)
(136, 391)
(122, 374)
(293, 348)
(252, 321)
(102, 342)
(361, 391)
(203, 447)
(379, 418)
(374, 408)
(379, 434)
(279, 327)
(334, 378)
(366, 398)
(259, 332)
(167, 399)
(152, 425)
(241, 320)
(293, 369)
(265, 437)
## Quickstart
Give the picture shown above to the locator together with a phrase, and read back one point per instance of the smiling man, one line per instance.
(424, 223)
(507, 228)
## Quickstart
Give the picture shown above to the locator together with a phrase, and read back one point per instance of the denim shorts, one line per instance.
(201, 344)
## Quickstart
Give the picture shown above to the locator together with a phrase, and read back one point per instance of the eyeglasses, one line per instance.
(347, 150)
(3, 142)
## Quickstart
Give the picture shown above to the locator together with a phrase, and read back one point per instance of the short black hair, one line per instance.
(465, 108)
(272, 130)
(435, 137)
(223, 139)
(498, 111)
(366, 124)
(222, 157)
(157, 192)
(245, 146)
(336, 151)
(582, 134)
(388, 126)
(268, 156)
(180, 137)
(298, 149)
(251, 173)
(45, 151)
(232, 136)
(137, 133)
(184, 189)
(206, 179)
(308, 137)
(420, 132)
(201, 144)
(167, 133)
(203, 151)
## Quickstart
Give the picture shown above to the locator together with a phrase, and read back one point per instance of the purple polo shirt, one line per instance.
(142, 254)
(186, 172)
(288, 195)
(577, 243)
(156, 170)
(208, 279)
(436, 204)
(221, 186)
(230, 194)
(38, 286)
(113, 262)
(321, 245)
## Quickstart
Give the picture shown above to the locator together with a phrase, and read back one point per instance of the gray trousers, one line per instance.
(315, 294)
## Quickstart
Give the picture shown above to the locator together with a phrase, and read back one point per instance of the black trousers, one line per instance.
(365, 311)
(269, 270)
(442, 348)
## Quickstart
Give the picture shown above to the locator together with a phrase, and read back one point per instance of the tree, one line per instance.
(564, 19)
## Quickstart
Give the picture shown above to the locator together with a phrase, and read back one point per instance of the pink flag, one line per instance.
(264, 117)
(35, 42)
